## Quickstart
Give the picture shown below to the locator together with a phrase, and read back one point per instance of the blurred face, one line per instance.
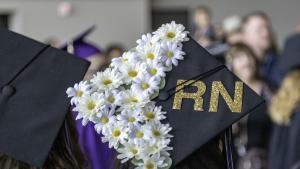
(202, 19)
(243, 66)
(256, 33)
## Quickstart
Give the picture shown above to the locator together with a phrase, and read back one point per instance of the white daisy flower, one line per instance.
(128, 151)
(105, 118)
(172, 32)
(154, 162)
(139, 133)
(156, 147)
(153, 113)
(147, 40)
(156, 68)
(130, 117)
(127, 57)
(88, 107)
(150, 52)
(158, 131)
(146, 84)
(131, 99)
(109, 79)
(112, 97)
(132, 70)
(78, 91)
(171, 53)
(115, 135)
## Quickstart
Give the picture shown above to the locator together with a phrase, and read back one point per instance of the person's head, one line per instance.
(232, 29)
(114, 51)
(242, 61)
(202, 16)
(65, 152)
(286, 99)
(257, 33)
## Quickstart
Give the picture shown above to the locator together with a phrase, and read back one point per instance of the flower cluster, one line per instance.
(118, 100)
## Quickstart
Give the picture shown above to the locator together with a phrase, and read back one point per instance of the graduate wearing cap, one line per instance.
(98, 154)
(285, 113)
(165, 103)
(36, 128)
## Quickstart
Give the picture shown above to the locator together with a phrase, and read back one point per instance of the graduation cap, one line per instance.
(291, 54)
(201, 96)
(33, 106)
(80, 47)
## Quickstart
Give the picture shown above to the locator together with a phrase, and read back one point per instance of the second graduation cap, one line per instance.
(167, 93)
(33, 106)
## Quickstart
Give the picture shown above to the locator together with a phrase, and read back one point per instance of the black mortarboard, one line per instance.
(33, 106)
(202, 98)
(291, 54)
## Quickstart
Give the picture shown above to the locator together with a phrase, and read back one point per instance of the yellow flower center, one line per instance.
(139, 134)
(79, 93)
(131, 119)
(133, 100)
(156, 133)
(134, 151)
(111, 99)
(91, 105)
(104, 120)
(116, 133)
(170, 54)
(152, 149)
(145, 85)
(124, 59)
(149, 165)
(153, 71)
(150, 56)
(132, 73)
(171, 35)
(106, 81)
(150, 115)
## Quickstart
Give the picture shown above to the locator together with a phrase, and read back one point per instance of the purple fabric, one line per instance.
(85, 50)
(98, 154)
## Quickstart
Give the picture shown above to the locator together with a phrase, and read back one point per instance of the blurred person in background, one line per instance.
(252, 132)
(285, 113)
(114, 51)
(231, 31)
(203, 30)
(258, 35)
(98, 155)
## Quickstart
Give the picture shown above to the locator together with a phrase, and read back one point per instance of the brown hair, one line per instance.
(242, 48)
(64, 154)
(203, 9)
(286, 99)
(264, 16)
